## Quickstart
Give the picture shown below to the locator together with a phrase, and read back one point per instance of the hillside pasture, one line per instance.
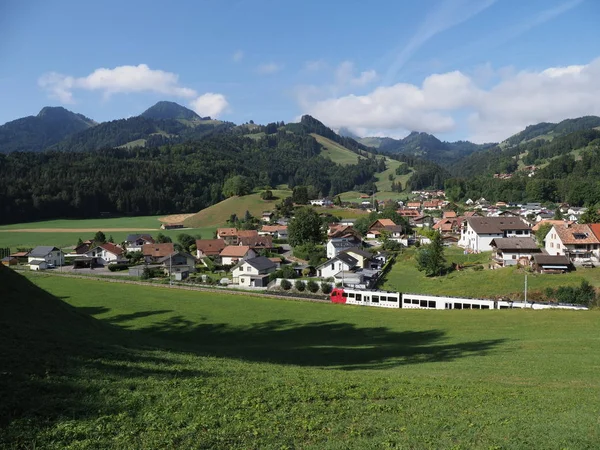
(336, 152)
(106, 365)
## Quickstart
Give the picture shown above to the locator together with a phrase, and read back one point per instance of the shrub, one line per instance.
(300, 285)
(326, 288)
(285, 285)
(118, 267)
(478, 267)
(312, 286)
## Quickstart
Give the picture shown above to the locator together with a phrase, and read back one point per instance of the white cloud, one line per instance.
(237, 56)
(269, 68)
(210, 104)
(124, 79)
(344, 75)
(517, 100)
(315, 66)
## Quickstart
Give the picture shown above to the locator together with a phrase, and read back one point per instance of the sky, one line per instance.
(480, 70)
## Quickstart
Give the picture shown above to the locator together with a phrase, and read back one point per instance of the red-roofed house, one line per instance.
(153, 252)
(229, 235)
(209, 247)
(232, 254)
(578, 242)
(107, 253)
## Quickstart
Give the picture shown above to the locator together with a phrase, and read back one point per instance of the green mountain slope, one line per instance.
(548, 131)
(170, 110)
(36, 133)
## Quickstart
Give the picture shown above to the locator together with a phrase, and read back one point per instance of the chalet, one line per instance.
(134, 242)
(106, 253)
(257, 242)
(267, 216)
(209, 247)
(45, 257)
(247, 234)
(276, 231)
(80, 249)
(374, 232)
(253, 272)
(347, 222)
(409, 213)
(432, 204)
(178, 262)
(574, 213)
(550, 222)
(469, 202)
(578, 242)
(551, 263)
(229, 235)
(512, 251)
(10, 261)
(232, 254)
(448, 225)
(478, 232)
(413, 205)
(341, 263)
(337, 245)
(154, 252)
(344, 232)
(424, 221)
(449, 215)
(321, 202)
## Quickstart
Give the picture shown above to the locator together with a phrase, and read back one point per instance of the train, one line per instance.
(385, 299)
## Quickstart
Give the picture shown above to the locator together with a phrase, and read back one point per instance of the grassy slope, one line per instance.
(217, 215)
(404, 277)
(336, 152)
(117, 222)
(161, 368)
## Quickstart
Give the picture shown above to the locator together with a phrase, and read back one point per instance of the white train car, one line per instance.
(417, 301)
(382, 299)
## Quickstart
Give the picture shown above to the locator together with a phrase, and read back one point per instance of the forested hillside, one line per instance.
(36, 133)
(173, 178)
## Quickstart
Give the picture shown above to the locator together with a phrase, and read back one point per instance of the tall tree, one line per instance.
(100, 237)
(430, 258)
(590, 215)
(305, 227)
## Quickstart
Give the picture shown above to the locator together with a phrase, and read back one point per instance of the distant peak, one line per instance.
(169, 110)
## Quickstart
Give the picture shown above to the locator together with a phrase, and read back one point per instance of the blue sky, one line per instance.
(461, 69)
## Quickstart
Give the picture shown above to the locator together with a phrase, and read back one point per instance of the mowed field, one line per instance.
(64, 233)
(218, 214)
(509, 282)
(143, 367)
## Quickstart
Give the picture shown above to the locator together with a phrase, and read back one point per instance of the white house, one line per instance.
(579, 242)
(253, 272)
(341, 262)
(43, 257)
(362, 257)
(512, 251)
(233, 254)
(477, 233)
(134, 242)
(321, 202)
(337, 245)
(106, 254)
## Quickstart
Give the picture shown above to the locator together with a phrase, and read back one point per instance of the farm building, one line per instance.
(9, 261)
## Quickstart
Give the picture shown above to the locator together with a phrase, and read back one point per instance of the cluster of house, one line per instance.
(509, 238)
(531, 212)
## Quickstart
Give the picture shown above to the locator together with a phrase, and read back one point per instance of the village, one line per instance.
(261, 257)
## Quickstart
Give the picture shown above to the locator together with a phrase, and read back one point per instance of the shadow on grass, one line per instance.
(318, 344)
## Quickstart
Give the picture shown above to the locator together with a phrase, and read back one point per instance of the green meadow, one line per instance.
(87, 364)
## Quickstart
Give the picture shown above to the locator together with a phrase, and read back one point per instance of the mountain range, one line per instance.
(56, 128)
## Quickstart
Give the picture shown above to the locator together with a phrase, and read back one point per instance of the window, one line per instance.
(358, 297)
(351, 294)
(431, 303)
(485, 306)
(458, 306)
(383, 298)
(423, 304)
(375, 299)
(415, 302)
(514, 256)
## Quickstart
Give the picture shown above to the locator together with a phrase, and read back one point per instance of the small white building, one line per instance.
(134, 242)
(106, 253)
(337, 245)
(341, 262)
(321, 202)
(512, 251)
(253, 272)
(43, 257)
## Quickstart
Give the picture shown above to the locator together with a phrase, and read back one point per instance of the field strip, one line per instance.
(73, 230)
(175, 218)
(223, 290)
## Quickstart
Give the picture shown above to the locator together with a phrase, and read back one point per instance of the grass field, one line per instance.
(336, 152)
(510, 281)
(217, 215)
(64, 233)
(160, 368)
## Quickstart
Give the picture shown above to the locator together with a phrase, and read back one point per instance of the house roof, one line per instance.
(413, 204)
(19, 254)
(384, 223)
(226, 232)
(576, 234)
(257, 241)
(261, 263)
(41, 251)
(169, 256)
(247, 234)
(341, 243)
(551, 260)
(112, 248)
(235, 251)
(273, 228)
(135, 237)
(37, 262)
(449, 214)
(359, 251)
(515, 243)
(595, 227)
(210, 246)
(158, 250)
(496, 225)
(408, 212)
(344, 257)
(537, 226)
(9, 258)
